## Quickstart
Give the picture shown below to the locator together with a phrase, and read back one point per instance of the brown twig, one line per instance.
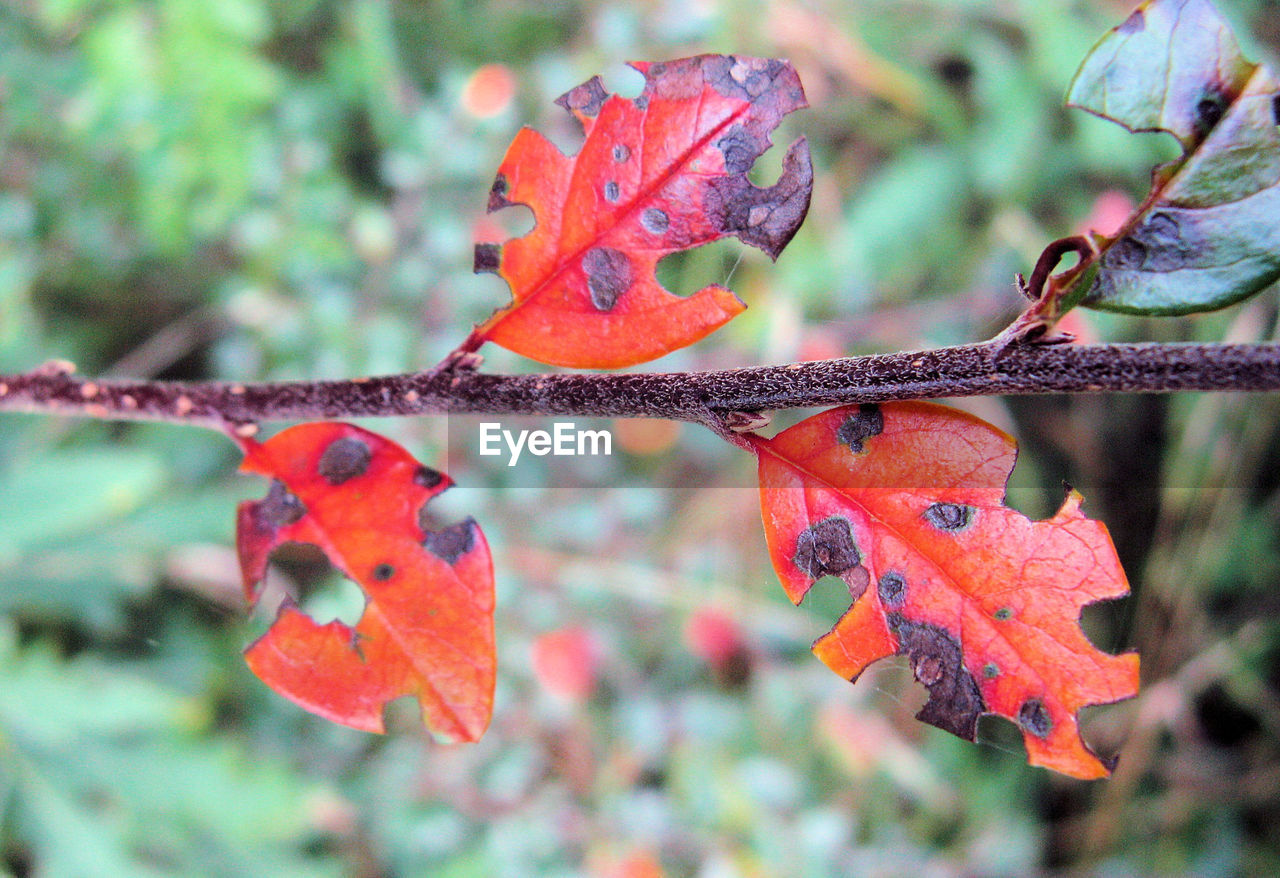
(700, 397)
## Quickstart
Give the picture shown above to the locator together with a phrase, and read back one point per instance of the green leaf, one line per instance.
(62, 551)
(1207, 235)
(103, 775)
(1157, 70)
(66, 493)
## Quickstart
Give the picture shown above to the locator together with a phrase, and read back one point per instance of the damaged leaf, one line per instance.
(427, 628)
(1207, 235)
(664, 172)
(904, 502)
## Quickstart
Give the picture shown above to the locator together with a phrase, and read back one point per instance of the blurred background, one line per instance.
(255, 189)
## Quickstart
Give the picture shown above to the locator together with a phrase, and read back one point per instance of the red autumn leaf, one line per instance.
(661, 173)
(427, 627)
(904, 502)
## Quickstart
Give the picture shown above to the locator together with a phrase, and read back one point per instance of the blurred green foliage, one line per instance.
(254, 189)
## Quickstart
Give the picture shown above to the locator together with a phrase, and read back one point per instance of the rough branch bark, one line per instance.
(703, 397)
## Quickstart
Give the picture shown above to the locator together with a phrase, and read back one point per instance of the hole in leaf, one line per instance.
(1103, 622)
(334, 598)
(402, 714)
(1069, 261)
(447, 508)
(622, 80)
(827, 600)
(516, 221)
(1001, 735)
(302, 573)
(688, 271)
(768, 166)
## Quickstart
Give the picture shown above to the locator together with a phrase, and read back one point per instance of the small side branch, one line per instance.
(969, 370)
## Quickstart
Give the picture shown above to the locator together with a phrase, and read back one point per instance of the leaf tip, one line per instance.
(584, 101)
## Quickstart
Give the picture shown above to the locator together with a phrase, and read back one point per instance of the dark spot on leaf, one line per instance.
(612, 191)
(1275, 108)
(868, 422)
(857, 579)
(746, 78)
(621, 152)
(608, 275)
(280, 508)
(383, 572)
(641, 102)
(1161, 228)
(764, 218)
(487, 259)
(991, 670)
(1126, 254)
(655, 220)
(451, 543)
(739, 153)
(949, 516)
(928, 669)
(1164, 240)
(426, 477)
(586, 99)
(498, 193)
(1033, 717)
(343, 460)
(955, 703)
(893, 589)
(825, 548)
(1134, 23)
(1208, 113)
(1004, 614)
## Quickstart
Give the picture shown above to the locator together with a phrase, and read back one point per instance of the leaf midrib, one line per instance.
(565, 263)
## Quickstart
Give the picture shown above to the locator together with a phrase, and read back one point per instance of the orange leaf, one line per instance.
(904, 502)
(427, 628)
(661, 173)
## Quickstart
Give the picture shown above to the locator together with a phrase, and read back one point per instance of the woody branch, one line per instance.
(703, 397)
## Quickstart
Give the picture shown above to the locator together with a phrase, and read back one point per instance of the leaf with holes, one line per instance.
(904, 502)
(664, 172)
(1208, 234)
(427, 627)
